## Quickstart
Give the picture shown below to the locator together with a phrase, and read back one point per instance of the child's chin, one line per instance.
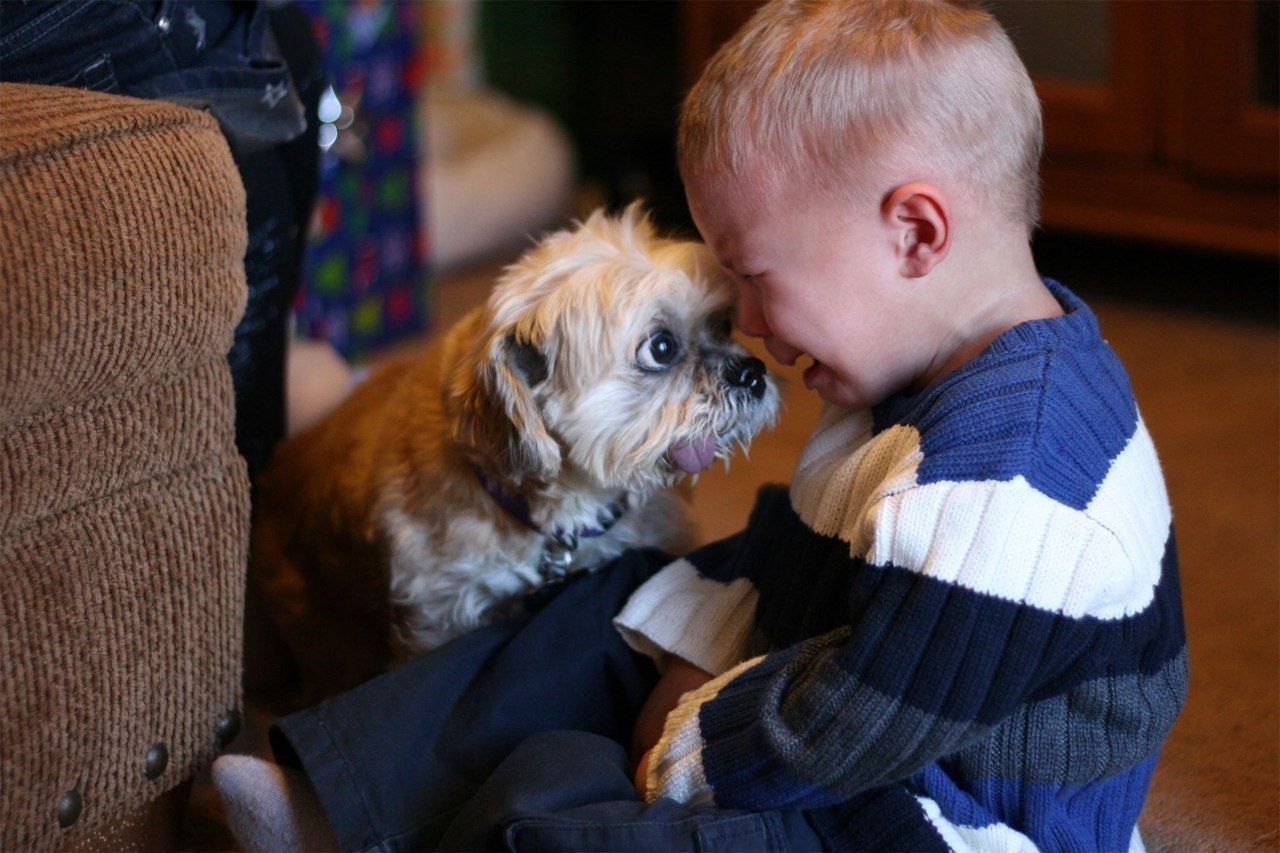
(828, 386)
(819, 378)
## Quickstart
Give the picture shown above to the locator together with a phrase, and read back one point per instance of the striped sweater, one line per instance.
(969, 613)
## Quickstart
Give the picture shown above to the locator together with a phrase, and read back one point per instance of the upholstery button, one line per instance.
(69, 808)
(157, 760)
(228, 727)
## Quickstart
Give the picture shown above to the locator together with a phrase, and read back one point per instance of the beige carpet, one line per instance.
(1208, 389)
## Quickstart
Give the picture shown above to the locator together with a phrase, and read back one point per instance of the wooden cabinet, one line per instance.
(1161, 118)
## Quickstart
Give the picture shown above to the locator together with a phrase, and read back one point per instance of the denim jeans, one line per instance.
(217, 56)
(512, 737)
(256, 68)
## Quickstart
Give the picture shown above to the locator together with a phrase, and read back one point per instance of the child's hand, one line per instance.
(680, 677)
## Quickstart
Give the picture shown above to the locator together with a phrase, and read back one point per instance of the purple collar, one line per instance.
(566, 540)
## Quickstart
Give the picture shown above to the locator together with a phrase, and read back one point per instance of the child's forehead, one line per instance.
(725, 218)
(733, 200)
(734, 207)
(763, 188)
(725, 187)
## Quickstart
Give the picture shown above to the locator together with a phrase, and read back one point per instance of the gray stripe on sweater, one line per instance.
(1102, 727)
(1105, 726)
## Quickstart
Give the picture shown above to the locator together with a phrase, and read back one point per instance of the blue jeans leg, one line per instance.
(393, 760)
(573, 791)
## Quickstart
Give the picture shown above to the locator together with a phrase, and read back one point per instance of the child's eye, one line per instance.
(659, 352)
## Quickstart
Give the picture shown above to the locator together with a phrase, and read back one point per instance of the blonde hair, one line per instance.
(808, 89)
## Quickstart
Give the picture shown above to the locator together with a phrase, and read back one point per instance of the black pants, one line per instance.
(280, 188)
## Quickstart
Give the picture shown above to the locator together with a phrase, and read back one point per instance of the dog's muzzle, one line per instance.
(746, 372)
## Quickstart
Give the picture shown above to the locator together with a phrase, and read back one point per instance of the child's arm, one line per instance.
(693, 627)
(923, 669)
(678, 678)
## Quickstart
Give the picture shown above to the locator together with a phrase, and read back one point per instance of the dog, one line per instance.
(538, 438)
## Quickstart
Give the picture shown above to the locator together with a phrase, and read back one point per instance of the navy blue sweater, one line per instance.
(969, 615)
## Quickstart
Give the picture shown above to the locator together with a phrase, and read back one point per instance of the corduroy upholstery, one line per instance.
(123, 502)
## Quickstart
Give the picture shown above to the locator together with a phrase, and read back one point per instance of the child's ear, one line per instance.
(920, 218)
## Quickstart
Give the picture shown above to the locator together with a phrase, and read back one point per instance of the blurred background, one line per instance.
(497, 120)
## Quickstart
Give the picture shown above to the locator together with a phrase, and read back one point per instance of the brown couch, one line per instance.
(123, 502)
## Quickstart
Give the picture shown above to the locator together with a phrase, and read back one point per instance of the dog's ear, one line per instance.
(528, 360)
(498, 414)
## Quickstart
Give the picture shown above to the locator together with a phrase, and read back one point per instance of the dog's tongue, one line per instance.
(696, 455)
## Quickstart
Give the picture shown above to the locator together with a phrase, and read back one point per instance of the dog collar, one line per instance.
(559, 545)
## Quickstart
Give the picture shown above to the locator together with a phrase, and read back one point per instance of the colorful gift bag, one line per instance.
(365, 281)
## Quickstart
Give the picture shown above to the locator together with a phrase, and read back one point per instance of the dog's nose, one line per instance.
(746, 372)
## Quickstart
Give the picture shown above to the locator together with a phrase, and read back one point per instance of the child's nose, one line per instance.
(751, 319)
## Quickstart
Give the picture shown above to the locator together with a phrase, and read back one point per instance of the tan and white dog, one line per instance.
(536, 439)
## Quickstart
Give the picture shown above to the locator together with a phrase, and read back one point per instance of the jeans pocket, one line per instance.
(744, 832)
(748, 832)
(24, 26)
(91, 44)
(99, 75)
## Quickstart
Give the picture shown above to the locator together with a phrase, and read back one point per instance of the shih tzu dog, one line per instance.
(537, 439)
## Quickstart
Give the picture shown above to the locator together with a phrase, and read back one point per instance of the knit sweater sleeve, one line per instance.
(965, 597)
(683, 612)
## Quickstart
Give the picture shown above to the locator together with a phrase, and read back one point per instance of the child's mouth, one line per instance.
(811, 372)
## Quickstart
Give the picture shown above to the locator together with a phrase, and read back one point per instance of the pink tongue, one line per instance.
(697, 455)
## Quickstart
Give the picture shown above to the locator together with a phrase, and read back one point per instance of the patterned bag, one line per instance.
(366, 283)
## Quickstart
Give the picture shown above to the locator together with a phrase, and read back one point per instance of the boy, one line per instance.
(962, 626)
(970, 597)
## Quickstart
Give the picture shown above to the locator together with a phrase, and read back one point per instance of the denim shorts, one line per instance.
(210, 55)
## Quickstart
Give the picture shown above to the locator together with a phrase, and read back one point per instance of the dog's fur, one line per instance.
(428, 501)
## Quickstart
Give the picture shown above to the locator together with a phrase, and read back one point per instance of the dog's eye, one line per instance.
(659, 352)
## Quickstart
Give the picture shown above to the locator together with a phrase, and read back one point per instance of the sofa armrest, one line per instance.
(123, 502)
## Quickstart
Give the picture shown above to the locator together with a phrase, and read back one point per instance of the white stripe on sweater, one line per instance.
(1000, 538)
(960, 838)
(996, 836)
(678, 611)
(675, 763)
